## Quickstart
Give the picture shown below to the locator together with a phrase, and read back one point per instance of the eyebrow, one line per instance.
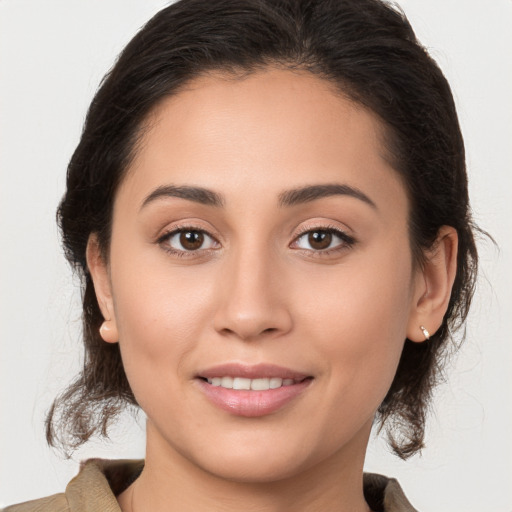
(287, 198)
(196, 194)
(312, 192)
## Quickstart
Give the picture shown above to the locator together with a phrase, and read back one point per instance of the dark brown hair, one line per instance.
(368, 50)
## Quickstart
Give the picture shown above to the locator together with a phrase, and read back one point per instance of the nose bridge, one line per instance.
(251, 304)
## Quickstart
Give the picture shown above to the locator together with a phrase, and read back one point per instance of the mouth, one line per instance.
(252, 391)
(258, 384)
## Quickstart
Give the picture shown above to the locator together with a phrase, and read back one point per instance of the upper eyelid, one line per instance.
(167, 232)
(324, 227)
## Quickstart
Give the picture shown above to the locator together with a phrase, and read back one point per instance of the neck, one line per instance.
(171, 482)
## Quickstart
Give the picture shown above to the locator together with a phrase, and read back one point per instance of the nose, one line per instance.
(253, 301)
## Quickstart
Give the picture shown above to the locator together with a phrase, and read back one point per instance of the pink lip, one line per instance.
(252, 403)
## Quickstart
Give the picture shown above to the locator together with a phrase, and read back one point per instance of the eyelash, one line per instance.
(183, 229)
(347, 240)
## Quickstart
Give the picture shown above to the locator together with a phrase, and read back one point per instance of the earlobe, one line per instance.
(433, 286)
(99, 273)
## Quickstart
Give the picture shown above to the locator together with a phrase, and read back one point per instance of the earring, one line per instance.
(425, 333)
(108, 332)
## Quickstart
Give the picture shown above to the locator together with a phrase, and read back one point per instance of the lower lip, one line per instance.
(252, 403)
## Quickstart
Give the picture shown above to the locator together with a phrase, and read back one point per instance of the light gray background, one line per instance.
(52, 57)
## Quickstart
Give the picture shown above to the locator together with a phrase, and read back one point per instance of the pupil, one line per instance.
(320, 239)
(191, 240)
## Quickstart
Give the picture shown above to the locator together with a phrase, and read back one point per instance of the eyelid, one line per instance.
(191, 224)
(178, 228)
(348, 241)
(323, 225)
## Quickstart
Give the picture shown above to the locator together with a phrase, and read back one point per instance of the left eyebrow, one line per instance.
(312, 192)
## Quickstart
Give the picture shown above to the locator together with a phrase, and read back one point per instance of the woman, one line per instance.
(269, 210)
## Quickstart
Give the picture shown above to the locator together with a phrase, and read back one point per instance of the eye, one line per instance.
(323, 239)
(187, 240)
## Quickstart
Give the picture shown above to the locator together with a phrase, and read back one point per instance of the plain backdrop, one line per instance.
(52, 57)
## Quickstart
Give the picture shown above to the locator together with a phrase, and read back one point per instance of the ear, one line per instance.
(98, 269)
(433, 285)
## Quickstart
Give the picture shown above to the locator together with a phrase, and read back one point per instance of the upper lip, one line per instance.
(256, 371)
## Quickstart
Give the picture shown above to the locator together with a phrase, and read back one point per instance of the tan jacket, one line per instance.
(95, 487)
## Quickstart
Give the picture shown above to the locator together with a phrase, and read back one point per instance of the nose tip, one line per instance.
(248, 329)
(253, 319)
(253, 305)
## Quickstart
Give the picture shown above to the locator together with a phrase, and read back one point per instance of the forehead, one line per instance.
(271, 129)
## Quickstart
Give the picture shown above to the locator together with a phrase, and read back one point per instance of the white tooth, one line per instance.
(241, 383)
(260, 384)
(275, 382)
(287, 382)
(216, 381)
(227, 382)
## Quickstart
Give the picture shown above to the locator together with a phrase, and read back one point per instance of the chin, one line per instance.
(256, 470)
(253, 460)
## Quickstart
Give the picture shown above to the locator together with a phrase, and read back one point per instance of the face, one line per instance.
(260, 241)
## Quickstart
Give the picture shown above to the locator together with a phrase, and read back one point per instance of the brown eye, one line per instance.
(323, 240)
(191, 240)
(185, 240)
(319, 239)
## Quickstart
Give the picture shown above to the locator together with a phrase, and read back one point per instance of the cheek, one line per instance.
(358, 318)
(160, 315)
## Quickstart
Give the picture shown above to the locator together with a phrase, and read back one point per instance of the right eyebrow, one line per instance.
(197, 194)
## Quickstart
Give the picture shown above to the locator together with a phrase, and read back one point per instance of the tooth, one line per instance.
(241, 383)
(227, 382)
(275, 382)
(260, 384)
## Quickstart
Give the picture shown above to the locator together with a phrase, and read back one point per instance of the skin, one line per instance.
(258, 291)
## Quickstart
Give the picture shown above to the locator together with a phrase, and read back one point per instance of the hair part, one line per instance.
(369, 52)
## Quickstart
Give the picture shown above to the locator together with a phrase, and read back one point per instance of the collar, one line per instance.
(109, 478)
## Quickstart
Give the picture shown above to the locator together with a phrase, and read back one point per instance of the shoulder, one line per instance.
(94, 488)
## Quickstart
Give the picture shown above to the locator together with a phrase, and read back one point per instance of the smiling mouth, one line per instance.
(252, 390)
(257, 384)
(252, 397)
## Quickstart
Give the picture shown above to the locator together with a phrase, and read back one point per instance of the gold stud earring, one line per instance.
(425, 332)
